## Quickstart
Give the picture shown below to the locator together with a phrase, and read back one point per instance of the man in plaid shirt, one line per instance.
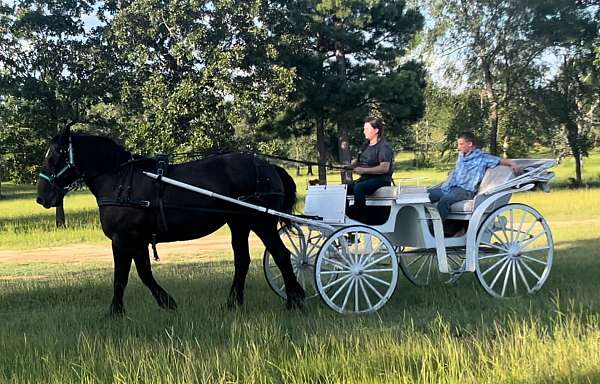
(467, 174)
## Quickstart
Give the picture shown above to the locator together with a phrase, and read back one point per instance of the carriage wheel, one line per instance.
(420, 266)
(303, 251)
(356, 270)
(515, 251)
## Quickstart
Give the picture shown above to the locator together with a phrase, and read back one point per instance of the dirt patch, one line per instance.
(204, 248)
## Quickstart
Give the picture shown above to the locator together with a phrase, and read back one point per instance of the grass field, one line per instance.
(55, 328)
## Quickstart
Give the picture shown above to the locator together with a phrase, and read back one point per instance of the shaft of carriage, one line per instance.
(206, 192)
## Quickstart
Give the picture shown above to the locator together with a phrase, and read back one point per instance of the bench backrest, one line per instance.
(495, 177)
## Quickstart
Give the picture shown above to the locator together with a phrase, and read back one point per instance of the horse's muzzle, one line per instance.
(42, 202)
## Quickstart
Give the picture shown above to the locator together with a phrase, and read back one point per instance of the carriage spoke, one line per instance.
(429, 270)
(421, 267)
(523, 276)
(364, 292)
(500, 248)
(529, 269)
(505, 234)
(493, 266)
(356, 294)
(377, 279)
(500, 272)
(518, 238)
(526, 243)
(336, 263)
(379, 270)
(512, 225)
(506, 276)
(530, 227)
(415, 260)
(336, 281)
(373, 253)
(297, 251)
(373, 289)
(341, 288)
(352, 282)
(534, 250)
(342, 259)
(514, 275)
(376, 261)
(493, 256)
(334, 272)
(493, 233)
(534, 260)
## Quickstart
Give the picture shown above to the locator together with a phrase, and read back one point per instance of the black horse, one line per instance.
(136, 211)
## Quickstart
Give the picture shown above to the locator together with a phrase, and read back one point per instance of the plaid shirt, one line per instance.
(469, 170)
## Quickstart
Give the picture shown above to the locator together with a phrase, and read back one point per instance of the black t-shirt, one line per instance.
(373, 155)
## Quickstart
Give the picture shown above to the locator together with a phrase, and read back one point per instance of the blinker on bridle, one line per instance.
(70, 164)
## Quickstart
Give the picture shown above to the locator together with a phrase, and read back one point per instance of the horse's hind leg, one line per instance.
(142, 264)
(267, 231)
(122, 260)
(241, 255)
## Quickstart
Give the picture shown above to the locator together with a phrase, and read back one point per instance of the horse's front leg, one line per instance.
(144, 270)
(122, 261)
(241, 255)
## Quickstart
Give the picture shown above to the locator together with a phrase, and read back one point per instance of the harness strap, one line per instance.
(162, 165)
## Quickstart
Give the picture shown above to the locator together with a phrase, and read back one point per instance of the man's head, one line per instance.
(373, 126)
(466, 142)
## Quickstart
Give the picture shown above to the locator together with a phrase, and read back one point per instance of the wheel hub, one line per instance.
(513, 250)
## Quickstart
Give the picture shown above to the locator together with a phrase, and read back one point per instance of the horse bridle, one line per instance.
(54, 179)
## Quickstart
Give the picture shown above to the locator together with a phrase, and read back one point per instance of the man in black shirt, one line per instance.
(375, 165)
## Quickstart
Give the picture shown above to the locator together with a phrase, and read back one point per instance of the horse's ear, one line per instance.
(66, 132)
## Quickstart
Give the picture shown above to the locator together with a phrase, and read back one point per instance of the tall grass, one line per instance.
(55, 328)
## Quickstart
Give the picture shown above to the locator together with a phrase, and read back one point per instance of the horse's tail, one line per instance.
(289, 192)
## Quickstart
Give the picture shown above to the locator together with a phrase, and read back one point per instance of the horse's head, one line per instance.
(59, 172)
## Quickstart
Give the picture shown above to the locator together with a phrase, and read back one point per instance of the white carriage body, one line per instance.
(411, 210)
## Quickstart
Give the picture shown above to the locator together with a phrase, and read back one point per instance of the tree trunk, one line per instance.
(0, 178)
(573, 140)
(493, 100)
(578, 180)
(342, 124)
(322, 149)
(310, 171)
(60, 215)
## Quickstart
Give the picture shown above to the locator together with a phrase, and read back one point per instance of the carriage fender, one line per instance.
(476, 221)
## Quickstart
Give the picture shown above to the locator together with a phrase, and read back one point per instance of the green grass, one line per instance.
(55, 328)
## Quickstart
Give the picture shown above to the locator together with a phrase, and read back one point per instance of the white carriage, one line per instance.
(354, 267)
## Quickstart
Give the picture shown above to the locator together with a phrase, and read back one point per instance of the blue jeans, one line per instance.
(365, 186)
(445, 200)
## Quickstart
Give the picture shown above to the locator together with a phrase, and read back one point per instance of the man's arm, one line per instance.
(380, 169)
(510, 163)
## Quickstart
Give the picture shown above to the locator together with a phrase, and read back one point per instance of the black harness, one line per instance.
(125, 193)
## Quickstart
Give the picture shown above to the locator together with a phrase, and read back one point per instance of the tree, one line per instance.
(572, 99)
(191, 72)
(44, 79)
(348, 60)
(487, 44)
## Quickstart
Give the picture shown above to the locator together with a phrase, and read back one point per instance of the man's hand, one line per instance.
(510, 163)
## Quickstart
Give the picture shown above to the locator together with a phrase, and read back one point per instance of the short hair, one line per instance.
(376, 123)
(468, 136)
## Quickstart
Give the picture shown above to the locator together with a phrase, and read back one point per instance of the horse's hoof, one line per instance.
(116, 311)
(295, 299)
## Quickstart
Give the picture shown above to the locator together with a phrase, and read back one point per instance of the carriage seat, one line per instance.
(493, 178)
